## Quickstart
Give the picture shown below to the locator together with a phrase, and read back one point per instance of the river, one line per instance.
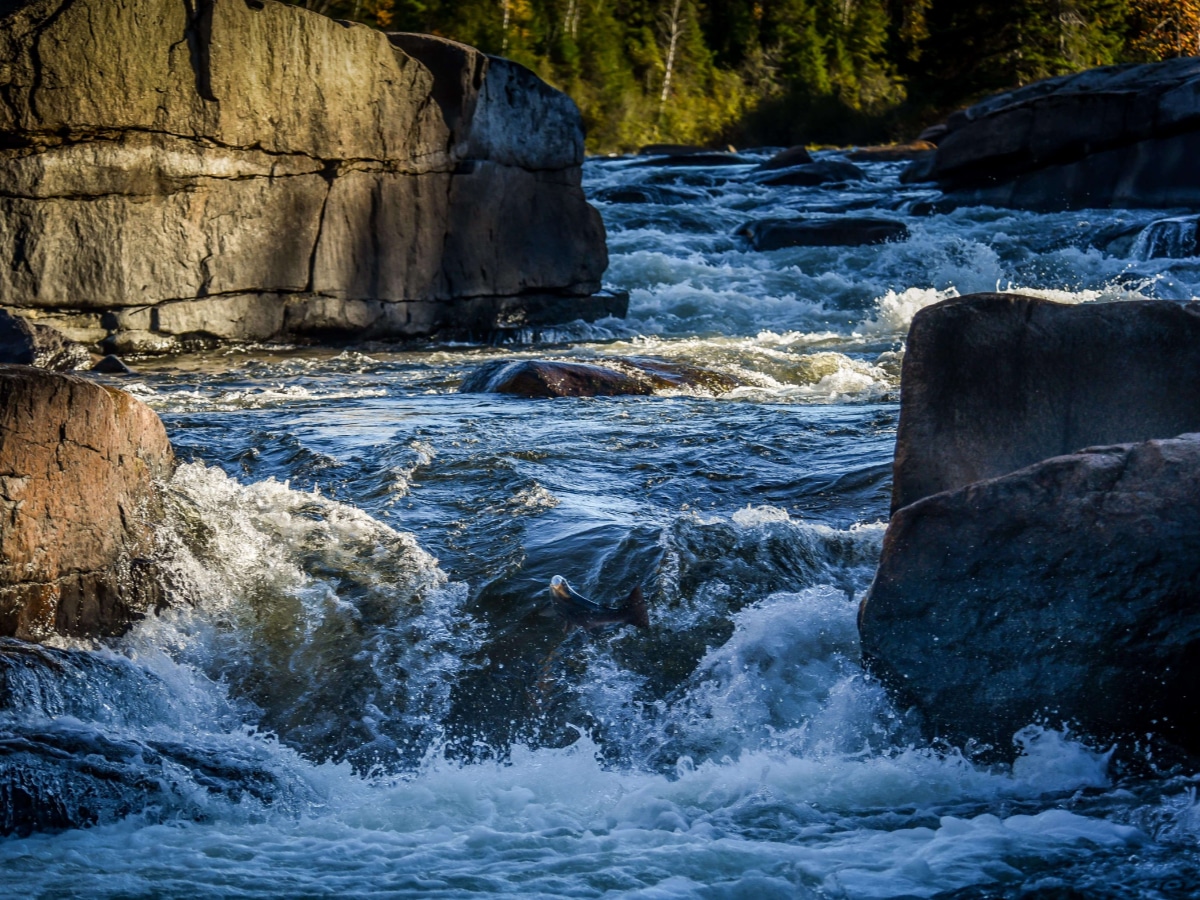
(359, 693)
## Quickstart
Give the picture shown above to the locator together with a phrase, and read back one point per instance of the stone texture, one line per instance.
(1116, 136)
(233, 152)
(77, 505)
(892, 152)
(1065, 592)
(616, 377)
(786, 159)
(992, 383)
(26, 343)
(842, 231)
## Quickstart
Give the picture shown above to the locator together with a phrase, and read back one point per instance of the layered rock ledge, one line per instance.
(178, 169)
(1116, 136)
(80, 466)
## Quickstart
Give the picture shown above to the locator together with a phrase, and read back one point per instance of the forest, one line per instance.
(783, 72)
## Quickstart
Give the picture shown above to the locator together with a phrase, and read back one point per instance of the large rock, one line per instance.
(995, 382)
(834, 231)
(1118, 136)
(232, 166)
(824, 171)
(1066, 592)
(78, 503)
(615, 377)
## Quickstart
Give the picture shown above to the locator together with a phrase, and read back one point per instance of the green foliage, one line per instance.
(780, 71)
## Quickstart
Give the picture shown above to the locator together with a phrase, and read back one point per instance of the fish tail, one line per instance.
(635, 609)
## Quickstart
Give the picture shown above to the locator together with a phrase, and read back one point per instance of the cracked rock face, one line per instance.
(214, 168)
(79, 464)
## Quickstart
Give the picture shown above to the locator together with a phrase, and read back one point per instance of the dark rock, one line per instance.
(786, 159)
(1116, 136)
(112, 365)
(825, 171)
(651, 193)
(616, 377)
(1066, 592)
(340, 168)
(671, 150)
(842, 231)
(892, 152)
(696, 160)
(992, 383)
(26, 343)
(78, 504)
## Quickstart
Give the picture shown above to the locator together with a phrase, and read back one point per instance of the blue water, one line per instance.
(358, 692)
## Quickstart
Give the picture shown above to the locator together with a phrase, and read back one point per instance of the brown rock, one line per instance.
(1066, 592)
(616, 377)
(992, 383)
(78, 468)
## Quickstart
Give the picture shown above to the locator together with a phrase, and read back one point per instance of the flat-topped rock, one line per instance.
(210, 172)
(992, 383)
(78, 504)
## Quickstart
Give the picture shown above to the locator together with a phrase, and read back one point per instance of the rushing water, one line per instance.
(358, 693)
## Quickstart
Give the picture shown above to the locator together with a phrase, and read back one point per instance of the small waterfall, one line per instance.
(1167, 238)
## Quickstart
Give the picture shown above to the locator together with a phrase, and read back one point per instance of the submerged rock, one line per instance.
(26, 343)
(78, 503)
(825, 171)
(651, 193)
(696, 160)
(1115, 136)
(616, 377)
(994, 382)
(240, 165)
(786, 159)
(1066, 592)
(842, 231)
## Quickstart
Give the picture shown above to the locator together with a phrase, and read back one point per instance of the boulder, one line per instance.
(992, 383)
(616, 377)
(1116, 136)
(1065, 593)
(79, 501)
(786, 159)
(26, 343)
(824, 171)
(206, 184)
(651, 193)
(840, 231)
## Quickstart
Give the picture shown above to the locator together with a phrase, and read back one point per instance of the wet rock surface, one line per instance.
(840, 231)
(824, 171)
(26, 343)
(617, 377)
(1115, 136)
(992, 383)
(216, 187)
(1065, 592)
(79, 501)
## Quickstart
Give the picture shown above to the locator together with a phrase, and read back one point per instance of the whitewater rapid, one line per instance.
(357, 693)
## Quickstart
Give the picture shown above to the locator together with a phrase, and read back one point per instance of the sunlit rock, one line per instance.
(78, 502)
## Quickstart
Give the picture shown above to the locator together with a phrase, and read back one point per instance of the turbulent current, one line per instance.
(358, 693)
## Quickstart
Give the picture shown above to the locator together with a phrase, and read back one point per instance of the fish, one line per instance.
(580, 612)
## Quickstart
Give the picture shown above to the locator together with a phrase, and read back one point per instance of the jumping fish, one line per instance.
(580, 612)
